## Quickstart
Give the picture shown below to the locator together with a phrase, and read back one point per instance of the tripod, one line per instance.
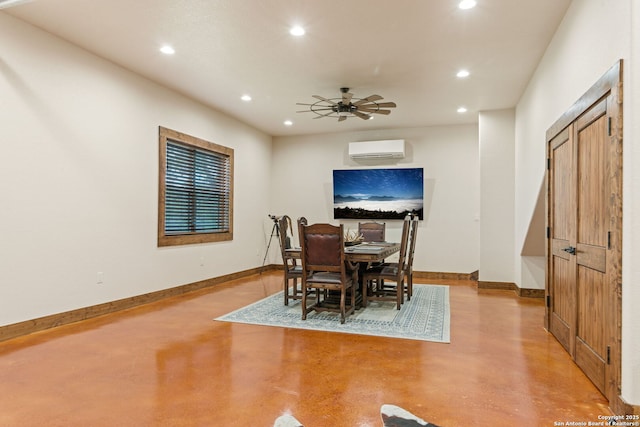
(275, 231)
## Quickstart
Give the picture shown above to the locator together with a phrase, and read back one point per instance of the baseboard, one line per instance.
(620, 407)
(34, 325)
(436, 275)
(510, 286)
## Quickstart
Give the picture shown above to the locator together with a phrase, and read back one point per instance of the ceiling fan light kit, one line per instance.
(348, 106)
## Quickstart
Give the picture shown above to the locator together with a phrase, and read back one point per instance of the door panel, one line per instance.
(591, 364)
(558, 247)
(563, 303)
(592, 256)
(592, 184)
(562, 215)
(591, 309)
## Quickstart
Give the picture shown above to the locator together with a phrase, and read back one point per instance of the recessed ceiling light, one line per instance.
(288, 123)
(167, 50)
(462, 74)
(246, 98)
(462, 110)
(297, 30)
(467, 4)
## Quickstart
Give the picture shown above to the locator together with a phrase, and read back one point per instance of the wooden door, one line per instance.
(584, 226)
(591, 232)
(562, 292)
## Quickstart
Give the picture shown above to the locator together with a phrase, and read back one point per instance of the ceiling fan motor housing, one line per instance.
(341, 107)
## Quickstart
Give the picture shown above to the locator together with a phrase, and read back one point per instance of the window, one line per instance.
(196, 190)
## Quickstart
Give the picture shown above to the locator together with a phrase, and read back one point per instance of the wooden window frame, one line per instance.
(168, 135)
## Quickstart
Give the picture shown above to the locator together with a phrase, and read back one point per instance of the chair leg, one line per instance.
(399, 294)
(304, 303)
(343, 299)
(286, 290)
(353, 297)
(365, 291)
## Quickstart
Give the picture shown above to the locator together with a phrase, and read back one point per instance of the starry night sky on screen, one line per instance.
(362, 183)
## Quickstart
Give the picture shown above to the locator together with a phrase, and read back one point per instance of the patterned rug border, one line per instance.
(426, 317)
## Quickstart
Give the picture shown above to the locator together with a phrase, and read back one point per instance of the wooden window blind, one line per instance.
(196, 190)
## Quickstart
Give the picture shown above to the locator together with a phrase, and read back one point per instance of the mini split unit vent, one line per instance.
(388, 149)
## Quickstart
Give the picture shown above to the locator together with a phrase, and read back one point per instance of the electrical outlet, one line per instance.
(100, 278)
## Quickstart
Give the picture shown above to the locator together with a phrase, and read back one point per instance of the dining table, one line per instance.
(365, 252)
(362, 254)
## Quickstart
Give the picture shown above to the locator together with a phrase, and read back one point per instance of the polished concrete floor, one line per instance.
(170, 364)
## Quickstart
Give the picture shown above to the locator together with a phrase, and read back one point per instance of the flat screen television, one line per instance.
(378, 193)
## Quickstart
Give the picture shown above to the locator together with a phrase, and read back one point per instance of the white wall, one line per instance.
(497, 173)
(79, 180)
(592, 37)
(448, 238)
(631, 218)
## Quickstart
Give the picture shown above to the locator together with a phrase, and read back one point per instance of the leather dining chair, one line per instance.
(292, 267)
(385, 282)
(324, 270)
(371, 231)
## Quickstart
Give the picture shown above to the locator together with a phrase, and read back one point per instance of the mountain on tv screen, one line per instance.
(378, 193)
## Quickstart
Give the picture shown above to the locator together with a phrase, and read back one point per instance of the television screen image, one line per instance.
(378, 193)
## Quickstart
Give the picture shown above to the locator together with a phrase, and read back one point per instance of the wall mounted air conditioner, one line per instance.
(387, 149)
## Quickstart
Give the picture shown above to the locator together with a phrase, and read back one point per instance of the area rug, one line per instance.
(426, 317)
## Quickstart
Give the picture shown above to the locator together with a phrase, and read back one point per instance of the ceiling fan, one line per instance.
(348, 106)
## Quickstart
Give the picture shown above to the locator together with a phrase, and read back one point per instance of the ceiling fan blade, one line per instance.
(346, 98)
(342, 118)
(325, 99)
(387, 105)
(375, 105)
(327, 108)
(367, 110)
(369, 98)
(319, 116)
(385, 112)
(362, 115)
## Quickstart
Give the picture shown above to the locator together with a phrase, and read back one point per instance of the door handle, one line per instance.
(570, 250)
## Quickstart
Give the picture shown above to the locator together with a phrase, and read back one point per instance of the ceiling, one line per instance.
(407, 51)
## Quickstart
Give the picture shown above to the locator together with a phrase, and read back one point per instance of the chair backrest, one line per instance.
(285, 236)
(404, 242)
(322, 248)
(371, 231)
(412, 246)
(301, 221)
